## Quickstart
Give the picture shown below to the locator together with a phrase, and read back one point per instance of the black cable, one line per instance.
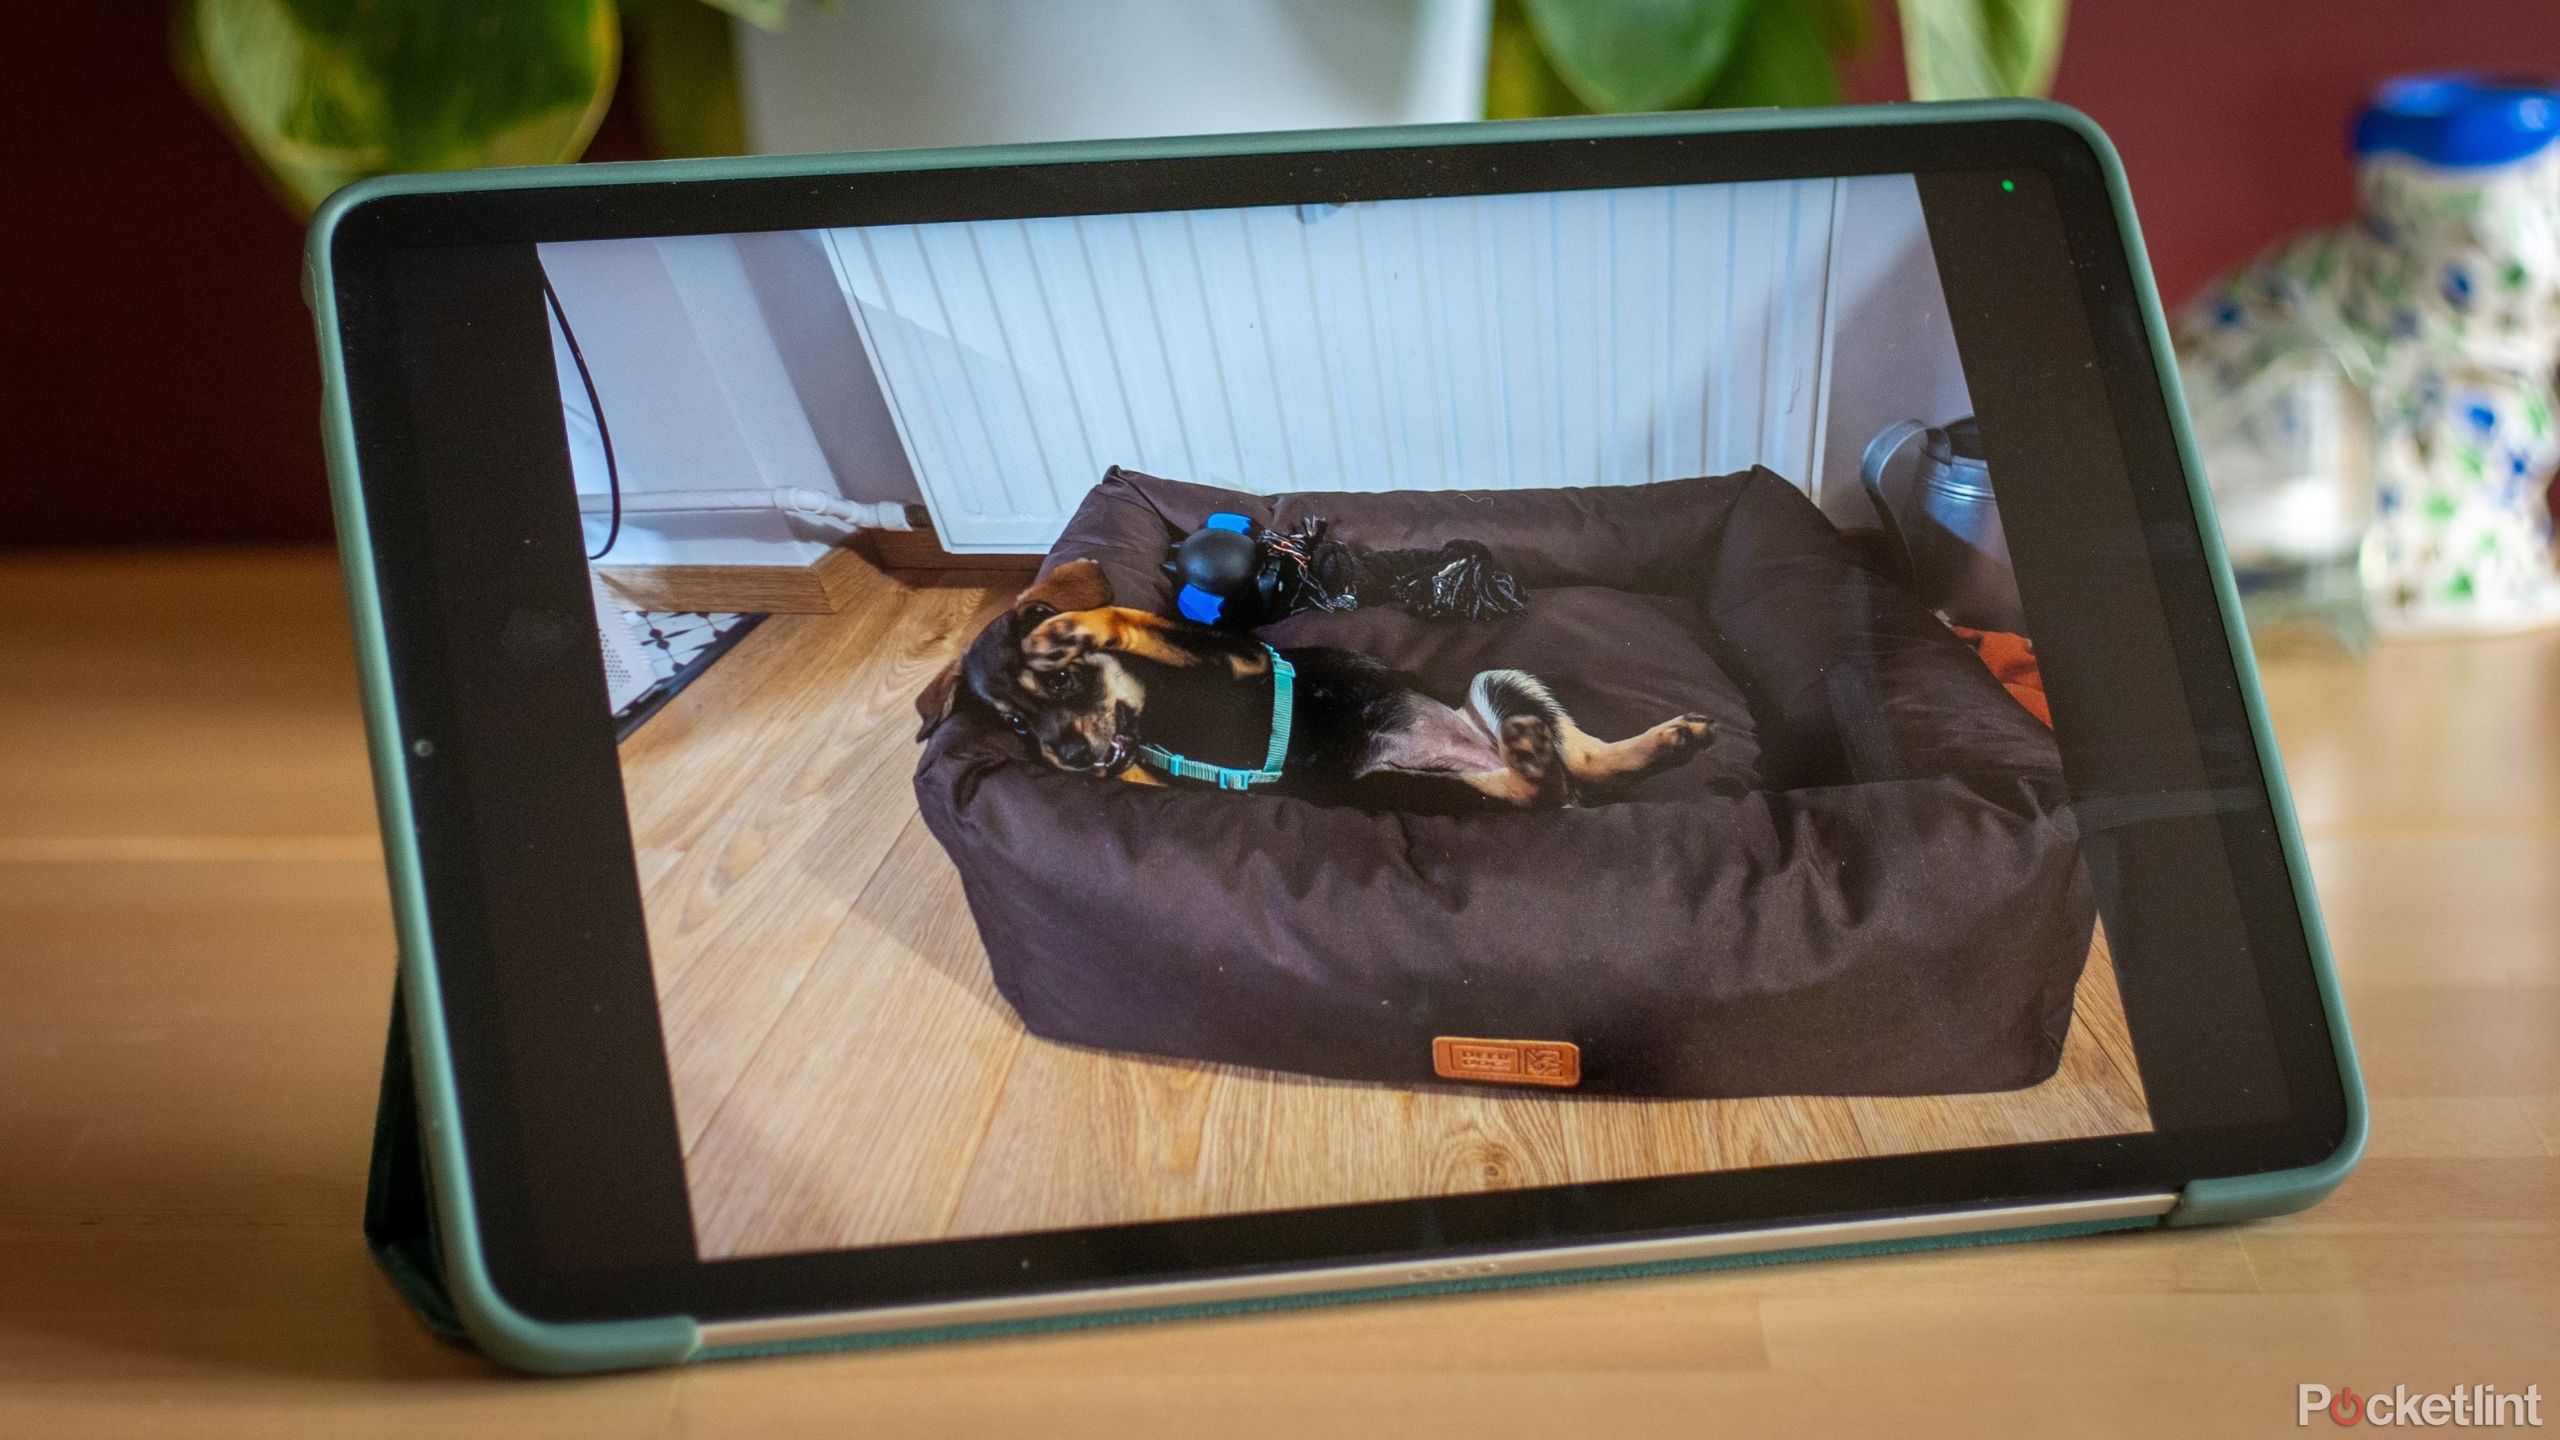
(595, 402)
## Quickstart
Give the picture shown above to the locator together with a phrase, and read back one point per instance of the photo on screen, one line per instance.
(1147, 716)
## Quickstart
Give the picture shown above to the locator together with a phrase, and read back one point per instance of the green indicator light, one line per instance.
(2010, 185)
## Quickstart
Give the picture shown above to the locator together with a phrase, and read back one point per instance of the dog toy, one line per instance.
(1243, 576)
(1223, 577)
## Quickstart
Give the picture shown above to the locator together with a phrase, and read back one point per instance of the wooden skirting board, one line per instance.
(822, 588)
(921, 549)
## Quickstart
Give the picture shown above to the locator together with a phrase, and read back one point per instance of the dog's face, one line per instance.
(1082, 716)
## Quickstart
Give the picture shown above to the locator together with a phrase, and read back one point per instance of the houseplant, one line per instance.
(322, 92)
(319, 93)
(1566, 57)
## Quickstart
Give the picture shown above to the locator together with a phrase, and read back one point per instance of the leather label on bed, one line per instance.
(1507, 1062)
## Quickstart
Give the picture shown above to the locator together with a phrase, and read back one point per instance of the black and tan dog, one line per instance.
(1092, 684)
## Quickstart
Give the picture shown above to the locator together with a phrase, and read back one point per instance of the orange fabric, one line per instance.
(2012, 660)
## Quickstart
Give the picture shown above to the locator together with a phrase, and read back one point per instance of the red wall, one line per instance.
(160, 384)
(2232, 115)
(160, 379)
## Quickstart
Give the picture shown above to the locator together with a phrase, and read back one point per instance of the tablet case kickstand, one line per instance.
(399, 1213)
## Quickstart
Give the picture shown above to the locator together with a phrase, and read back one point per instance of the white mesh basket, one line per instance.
(631, 666)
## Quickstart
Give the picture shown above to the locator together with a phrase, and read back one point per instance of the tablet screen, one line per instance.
(848, 1067)
(1460, 691)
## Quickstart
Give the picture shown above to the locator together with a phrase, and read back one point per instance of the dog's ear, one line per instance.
(933, 705)
(1076, 585)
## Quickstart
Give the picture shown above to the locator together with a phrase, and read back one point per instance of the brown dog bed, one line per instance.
(1868, 885)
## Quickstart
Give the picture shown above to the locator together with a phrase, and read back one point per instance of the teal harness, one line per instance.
(1227, 777)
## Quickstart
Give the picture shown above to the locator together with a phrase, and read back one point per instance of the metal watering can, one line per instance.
(1949, 534)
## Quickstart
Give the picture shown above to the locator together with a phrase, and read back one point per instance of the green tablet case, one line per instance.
(418, 1219)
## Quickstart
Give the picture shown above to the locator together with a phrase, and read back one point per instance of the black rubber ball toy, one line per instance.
(1217, 564)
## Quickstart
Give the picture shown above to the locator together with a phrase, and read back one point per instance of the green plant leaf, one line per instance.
(1519, 83)
(1782, 57)
(323, 92)
(1847, 27)
(1973, 49)
(685, 60)
(1624, 55)
(762, 14)
(2027, 36)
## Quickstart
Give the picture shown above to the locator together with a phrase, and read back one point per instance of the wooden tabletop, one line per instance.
(195, 957)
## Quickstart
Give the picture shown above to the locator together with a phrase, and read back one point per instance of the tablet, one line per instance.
(1497, 701)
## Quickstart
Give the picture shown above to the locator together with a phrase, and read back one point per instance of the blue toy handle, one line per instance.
(1205, 606)
(1199, 605)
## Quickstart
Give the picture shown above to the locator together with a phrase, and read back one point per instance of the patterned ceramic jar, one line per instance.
(2441, 305)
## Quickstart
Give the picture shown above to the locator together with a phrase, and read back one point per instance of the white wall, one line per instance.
(1572, 338)
(812, 334)
(1893, 353)
(723, 363)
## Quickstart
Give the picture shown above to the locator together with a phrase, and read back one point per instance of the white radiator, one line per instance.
(1578, 338)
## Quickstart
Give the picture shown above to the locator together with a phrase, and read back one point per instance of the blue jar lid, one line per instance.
(1228, 520)
(2460, 119)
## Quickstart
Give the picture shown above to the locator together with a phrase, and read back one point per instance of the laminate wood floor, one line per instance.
(845, 1073)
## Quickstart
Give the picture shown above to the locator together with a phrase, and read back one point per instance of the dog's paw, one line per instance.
(1684, 733)
(1061, 641)
(1530, 748)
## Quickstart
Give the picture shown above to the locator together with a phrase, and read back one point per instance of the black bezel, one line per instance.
(533, 906)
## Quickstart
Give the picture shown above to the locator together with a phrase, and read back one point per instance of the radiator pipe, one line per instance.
(790, 499)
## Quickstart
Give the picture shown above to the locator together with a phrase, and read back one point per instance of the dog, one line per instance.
(1105, 690)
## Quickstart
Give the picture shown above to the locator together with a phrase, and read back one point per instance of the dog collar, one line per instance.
(1227, 777)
